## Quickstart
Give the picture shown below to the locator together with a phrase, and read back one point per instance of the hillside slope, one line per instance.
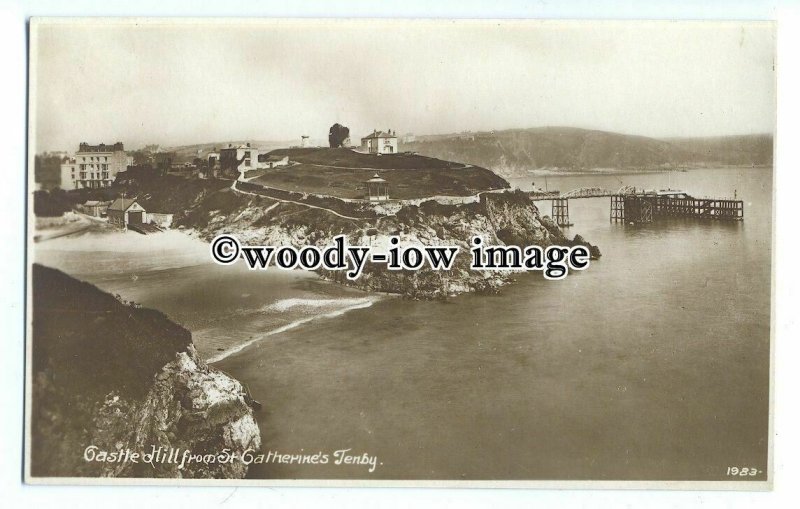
(514, 152)
(737, 150)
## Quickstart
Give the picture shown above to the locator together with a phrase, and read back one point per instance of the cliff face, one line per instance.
(499, 218)
(113, 377)
(504, 218)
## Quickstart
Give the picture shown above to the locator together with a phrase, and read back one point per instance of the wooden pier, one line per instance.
(644, 208)
(632, 205)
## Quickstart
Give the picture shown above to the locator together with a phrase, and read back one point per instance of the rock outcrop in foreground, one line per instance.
(111, 377)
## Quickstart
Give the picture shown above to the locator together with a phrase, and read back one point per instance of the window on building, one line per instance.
(247, 162)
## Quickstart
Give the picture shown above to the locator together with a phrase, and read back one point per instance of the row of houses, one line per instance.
(97, 166)
(244, 157)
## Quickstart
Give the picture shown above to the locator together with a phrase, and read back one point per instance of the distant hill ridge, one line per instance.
(515, 151)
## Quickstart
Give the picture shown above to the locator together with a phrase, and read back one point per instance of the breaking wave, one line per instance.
(297, 303)
(286, 304)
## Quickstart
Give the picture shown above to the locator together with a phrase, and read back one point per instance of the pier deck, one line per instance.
(645, 208)
(638, 206)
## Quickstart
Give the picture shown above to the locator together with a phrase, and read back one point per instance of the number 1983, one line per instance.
(743, 471)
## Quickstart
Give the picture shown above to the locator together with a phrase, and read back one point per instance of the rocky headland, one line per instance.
(112, 378)
(322, 195)
(500, 218)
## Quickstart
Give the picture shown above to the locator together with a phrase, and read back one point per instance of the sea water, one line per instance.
(651, 364)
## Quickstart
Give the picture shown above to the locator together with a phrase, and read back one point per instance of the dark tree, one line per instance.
(50, 203)
(141, 157)
(337, 135)
(47, 170)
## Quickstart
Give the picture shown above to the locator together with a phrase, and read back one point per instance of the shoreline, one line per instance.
(555, 172)
(287, 327)
(194, 259)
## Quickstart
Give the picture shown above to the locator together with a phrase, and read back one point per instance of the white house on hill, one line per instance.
(380, 142)
(243, 158)
(240, 158)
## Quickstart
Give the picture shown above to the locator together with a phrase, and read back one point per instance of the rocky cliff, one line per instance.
(500, 218)
(114, 380)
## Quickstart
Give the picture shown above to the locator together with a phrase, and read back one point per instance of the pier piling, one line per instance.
(645, 208)
(617, 208)
(560, 211)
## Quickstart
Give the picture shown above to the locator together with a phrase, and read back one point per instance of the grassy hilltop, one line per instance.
(343, 173)
(338, 173)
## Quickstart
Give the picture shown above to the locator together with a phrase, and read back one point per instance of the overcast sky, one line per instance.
(183, 83)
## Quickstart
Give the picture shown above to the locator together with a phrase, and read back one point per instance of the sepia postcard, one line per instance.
(513, 253)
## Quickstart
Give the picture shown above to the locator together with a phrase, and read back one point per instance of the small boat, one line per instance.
(254, 403)
(248, 398)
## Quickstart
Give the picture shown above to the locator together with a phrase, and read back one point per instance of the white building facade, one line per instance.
(94, 166)
(272, 161)
(380, 142)
(240, 158)
(244, 158)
